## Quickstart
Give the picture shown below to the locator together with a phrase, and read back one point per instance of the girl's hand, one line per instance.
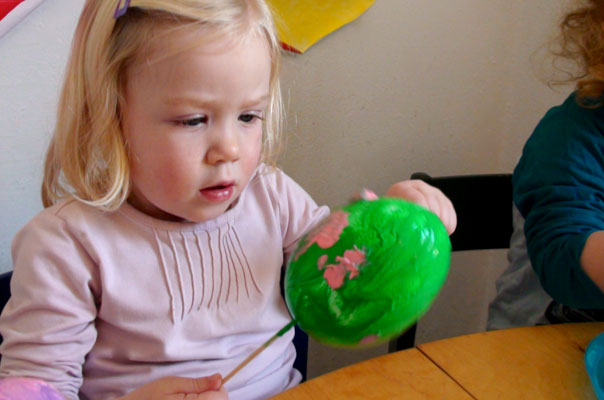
(419, 192)
(175, 388)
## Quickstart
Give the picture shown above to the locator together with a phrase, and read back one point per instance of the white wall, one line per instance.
(442, 87)
(419, 86)
(32, 60)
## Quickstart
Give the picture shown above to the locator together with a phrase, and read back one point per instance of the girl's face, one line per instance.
(193, 124)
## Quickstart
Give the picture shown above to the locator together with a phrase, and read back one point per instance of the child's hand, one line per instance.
(419, 192)
(175, 388)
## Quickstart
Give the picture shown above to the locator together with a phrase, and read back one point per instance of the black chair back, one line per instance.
(300, 339)
(483, 204)
(4, 290)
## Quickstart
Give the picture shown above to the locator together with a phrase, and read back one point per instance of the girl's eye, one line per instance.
(192, 122)
(247, 118)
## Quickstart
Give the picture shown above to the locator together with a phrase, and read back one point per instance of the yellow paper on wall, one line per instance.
(301, 23)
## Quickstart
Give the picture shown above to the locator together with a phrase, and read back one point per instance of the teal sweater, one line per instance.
(559, 190)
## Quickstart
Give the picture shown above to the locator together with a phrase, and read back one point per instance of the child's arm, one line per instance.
(205, 388)
(559, 190)
(419, 192)
(48, 324)
(592, 258)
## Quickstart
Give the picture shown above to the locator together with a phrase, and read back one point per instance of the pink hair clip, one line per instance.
(121, 9)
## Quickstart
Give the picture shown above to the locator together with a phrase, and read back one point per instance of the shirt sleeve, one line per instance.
(48, 324)
(559, 190)
(298, 212)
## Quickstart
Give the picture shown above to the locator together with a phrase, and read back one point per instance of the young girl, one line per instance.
(160, 250)
(556, 272)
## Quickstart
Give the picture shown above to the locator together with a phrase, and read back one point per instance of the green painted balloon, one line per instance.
(374, 281)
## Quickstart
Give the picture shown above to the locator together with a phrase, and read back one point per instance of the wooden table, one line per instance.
(545, 362)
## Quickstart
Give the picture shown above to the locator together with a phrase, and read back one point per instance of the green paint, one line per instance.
(408, 253)
(286, 328)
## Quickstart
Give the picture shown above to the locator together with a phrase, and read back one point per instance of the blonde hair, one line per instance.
(581, 42)
(87, 157)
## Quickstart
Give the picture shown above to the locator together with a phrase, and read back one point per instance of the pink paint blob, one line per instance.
(354, 272)
(335, 273)
(369, 339)
(352, 260)
(327, 234)
(355, 256)
(321, 261)
(367, 194)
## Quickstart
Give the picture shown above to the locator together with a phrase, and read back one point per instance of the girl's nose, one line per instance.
(223, 149)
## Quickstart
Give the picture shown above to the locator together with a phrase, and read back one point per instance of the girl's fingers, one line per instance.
(195, 385)
(419, 192)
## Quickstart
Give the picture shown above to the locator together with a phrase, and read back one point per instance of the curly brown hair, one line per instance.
(582, 41)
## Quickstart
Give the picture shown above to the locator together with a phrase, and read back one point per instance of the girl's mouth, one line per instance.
(218, 193)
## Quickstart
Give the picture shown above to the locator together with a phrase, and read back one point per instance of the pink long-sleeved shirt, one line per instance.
(103, 303)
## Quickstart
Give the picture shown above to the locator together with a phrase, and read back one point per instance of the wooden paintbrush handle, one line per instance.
(258, 351)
